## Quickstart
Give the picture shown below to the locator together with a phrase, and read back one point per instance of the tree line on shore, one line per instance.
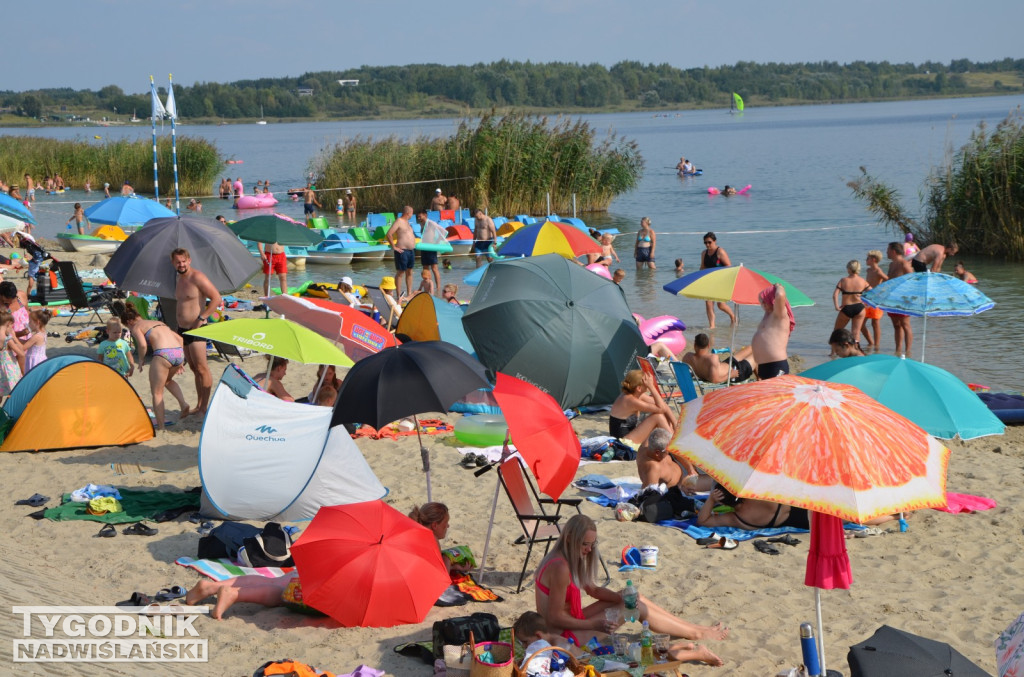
(451, 90)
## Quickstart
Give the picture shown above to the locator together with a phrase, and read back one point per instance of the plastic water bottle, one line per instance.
(630, 597)
(646, 646)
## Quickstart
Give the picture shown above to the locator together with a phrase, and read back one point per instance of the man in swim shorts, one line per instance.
(274, 261)
(708, 367)
(309, 201)
(932, 256)
(898, 265)
(483, 236)
(197, 299)
(771, 340)
(403, 242)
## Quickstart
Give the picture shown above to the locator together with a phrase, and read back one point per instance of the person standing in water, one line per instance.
(715, 257)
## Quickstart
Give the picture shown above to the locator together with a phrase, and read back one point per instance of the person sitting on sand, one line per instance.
(842, 344)
(435, 516)
(568, 571)
(655, 466)
(709, 368)
(272, 384)
(168, 359)
(639, 396)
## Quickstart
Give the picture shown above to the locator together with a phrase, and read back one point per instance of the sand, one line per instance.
(950, 577)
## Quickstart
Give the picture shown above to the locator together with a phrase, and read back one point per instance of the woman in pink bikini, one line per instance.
(569, 570)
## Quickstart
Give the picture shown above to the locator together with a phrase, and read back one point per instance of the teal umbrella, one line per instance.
(929, 396)
(272, 228)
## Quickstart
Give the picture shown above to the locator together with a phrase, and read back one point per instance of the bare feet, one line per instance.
(186, 411)
(716, 631)
(203, 589)
(225, 598)
(704, 655)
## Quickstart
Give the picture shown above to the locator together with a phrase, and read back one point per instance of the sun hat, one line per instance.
(348, 192)
(347, 280)
(387, 282)
(438, 190)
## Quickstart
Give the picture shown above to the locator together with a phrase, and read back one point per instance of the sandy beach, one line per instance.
(950, 577)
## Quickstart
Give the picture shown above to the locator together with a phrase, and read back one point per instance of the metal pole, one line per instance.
(821, 632)
(487, 539)
(156, 178)
(174, 153)
(424, 454)
(574, 205)
(549, 204)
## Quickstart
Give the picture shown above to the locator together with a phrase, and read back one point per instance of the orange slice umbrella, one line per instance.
(826, 447)
(368, 565)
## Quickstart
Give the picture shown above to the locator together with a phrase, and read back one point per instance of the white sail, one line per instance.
(172, 109)
(158, 108)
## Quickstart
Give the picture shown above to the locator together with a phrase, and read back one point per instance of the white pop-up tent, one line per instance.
(261, 458)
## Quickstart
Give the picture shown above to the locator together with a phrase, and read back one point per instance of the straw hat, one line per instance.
(387, 282)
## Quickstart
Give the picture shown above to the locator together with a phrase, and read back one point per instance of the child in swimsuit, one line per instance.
(35, 346)
(10, 372)
(115, 351)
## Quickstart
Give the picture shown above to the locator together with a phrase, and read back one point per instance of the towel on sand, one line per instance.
(966, 503)
(138, 504)
(223, 569)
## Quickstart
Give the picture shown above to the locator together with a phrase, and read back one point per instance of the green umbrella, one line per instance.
(278, 337)
(272, 228)
(795, 297)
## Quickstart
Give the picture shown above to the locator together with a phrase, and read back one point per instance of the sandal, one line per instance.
(766, 547)
(171, 593)
(108, 531)
(785, 539)
(205, 528)
(723, 543)
(139, 529)
(469, 460)
(713, 538)
(481, 460)
(36, 501)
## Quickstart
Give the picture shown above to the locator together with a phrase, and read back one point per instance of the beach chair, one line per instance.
(538, 524)
(78, 298)
(684, 373)
(376, 297)
(664, 382)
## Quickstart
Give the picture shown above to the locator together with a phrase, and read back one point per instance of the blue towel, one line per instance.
(691, 529)
(595, 482)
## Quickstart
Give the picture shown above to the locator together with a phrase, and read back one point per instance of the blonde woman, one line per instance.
(646, 241)
(846, 299)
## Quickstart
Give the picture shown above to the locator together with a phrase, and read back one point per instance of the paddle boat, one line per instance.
(104, 240)
(261, 201)
(297, 256)
(460, 238)
(335, 249)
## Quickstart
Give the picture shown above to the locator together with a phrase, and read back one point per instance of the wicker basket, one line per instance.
(458, 659)
(502, 658)
(572, 664)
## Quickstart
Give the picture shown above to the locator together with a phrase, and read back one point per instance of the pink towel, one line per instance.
(966, 503)
(767, 297)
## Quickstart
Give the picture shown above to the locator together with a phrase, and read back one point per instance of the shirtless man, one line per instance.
(709, 368)
(30, 189)
(654, 464)
(349, 201)
(403, 242)
(309, 202)
(483, 236)
(900, 323)
(274, 261)
(225, 188)
(197, 299)
(932, 256)
(439, 201)
(771, 340)
(454, 203)
(875, 276)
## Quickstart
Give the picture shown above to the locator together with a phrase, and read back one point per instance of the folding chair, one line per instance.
(686, 381)
(383, 307)
(666, 388)
(80, 301)
(539, 526)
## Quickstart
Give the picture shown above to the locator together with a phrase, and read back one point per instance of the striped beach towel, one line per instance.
(223, 569)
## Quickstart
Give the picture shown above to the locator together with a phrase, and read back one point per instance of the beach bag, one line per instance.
(272, 547)
(289, 668)
(456, 631)
(571, 664)
(225, 540)
(458, 659)
(492, 659)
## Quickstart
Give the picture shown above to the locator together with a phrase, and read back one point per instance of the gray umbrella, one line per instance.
(143, 262)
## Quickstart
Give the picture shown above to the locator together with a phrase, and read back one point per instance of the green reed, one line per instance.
(507, 164)
(976, 198)
(113, 162)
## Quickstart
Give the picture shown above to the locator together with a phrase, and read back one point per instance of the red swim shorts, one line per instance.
(277, 263)
(872, 313)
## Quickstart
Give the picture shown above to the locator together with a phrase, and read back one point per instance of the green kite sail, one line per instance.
(737, 102)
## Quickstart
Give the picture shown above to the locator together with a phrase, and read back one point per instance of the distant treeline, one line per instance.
(453, 89)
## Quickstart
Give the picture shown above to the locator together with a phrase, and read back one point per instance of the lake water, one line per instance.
(799, 220)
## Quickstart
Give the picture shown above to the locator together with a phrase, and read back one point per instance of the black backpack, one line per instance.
(456, 631)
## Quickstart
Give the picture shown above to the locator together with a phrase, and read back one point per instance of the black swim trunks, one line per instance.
(189, 339)
(919, 266)
(620, 427)
(428, 258)
(482, 246)
(772, 369)
(743, 368)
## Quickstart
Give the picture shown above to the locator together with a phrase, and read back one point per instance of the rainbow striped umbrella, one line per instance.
(733, 284)
(550, 238)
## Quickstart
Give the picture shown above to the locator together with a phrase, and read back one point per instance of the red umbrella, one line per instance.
(540, 431)
(368, 565)
(358, 334)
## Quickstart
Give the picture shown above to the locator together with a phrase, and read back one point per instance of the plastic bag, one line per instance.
(626, 512)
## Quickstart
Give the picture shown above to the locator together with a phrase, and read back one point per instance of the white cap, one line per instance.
(348, 192)
(438, 190)
(347, 280)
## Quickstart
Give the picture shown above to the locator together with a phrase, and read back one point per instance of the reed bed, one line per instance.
(114, 162)
(975, 199)
(512, 163)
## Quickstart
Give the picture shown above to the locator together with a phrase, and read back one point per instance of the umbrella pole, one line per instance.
(487, 539)
(821, 632)
(924, 336)
(732, 342)
(316, 391)
(424, 452)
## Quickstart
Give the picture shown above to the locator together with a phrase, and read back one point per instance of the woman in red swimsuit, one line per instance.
(569, 570)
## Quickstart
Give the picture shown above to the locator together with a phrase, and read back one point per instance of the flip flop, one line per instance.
(108, 531)
(205, 528)
(171, 593)
(713, 538)
(469, 460)
(785, 539)
(139, 529)
(723, 543)
(36, 500)
(766, 547)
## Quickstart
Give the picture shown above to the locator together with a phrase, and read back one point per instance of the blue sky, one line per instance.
(88, 45)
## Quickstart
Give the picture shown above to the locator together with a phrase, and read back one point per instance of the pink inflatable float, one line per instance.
(664, 328)
(256, 201)
(742, 191)
(600, 270)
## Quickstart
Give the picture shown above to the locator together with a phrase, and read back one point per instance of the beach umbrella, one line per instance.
(555, 324)
(927, 295)
(549, 238)
(738, 285)
(897, 653)
(14, 209)
(929, 396)
(1010, 648)
(407, 380)
(473, 278)
(824, 447)
(127, 212)
(359, 334)
(10, 223)
(272, 228)
(142, 263)
(368, 565)
(275, 336)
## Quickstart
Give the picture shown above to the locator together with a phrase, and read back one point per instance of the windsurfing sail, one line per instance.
(737, 102)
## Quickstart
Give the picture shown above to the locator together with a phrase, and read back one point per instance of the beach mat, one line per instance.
(223, 569)
(138, 504)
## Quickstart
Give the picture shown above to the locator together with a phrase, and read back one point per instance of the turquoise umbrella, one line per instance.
(927, 295)
(127, 211)
(14, 209)
(929, 396)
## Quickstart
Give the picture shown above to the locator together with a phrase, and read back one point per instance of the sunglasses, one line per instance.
(709, 241)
